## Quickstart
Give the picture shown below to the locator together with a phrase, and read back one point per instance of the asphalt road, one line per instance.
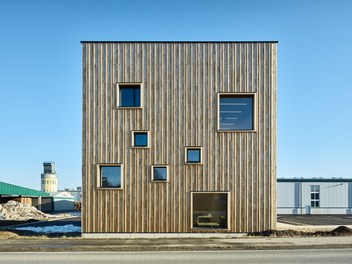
(204, 257)
(315, 219)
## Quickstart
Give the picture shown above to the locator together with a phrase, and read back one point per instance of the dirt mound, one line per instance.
(8, 235)
(339, 231)
(13, 210)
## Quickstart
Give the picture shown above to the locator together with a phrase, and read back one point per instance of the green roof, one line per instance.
(10, 189)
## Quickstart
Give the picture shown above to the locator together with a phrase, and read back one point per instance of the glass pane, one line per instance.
(210, 210)
(110, 176)
(236, 112)
(160, 173)
(193, 155)
(130, 96)
(137, 96)
(141, 139)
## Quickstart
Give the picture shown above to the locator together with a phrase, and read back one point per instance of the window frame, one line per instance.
(200, 155)
(160, 166)
(122, 85)
(228, 222)
(98, 178)
(254, 112)
(314, 201)
(133, 132)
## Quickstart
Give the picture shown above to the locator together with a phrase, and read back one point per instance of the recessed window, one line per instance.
(235, 112)
(315, 195)
(110, 176)
(210, 210)
(193, 155)
(159, 173)
(129, 95)
(140, 139)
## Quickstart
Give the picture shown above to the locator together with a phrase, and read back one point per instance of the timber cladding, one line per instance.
(179, 84)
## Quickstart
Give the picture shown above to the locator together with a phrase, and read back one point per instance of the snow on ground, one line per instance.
(13, 210)
(52, 229)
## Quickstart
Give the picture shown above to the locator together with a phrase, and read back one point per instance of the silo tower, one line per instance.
(49, 177)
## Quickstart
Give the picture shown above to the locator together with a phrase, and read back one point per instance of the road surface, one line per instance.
(204, 257)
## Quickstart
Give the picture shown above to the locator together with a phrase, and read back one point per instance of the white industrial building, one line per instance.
(314, 196)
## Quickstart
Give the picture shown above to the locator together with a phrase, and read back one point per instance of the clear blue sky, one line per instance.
(40, 74)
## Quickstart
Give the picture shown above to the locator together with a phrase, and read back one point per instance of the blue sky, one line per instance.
(40, 74)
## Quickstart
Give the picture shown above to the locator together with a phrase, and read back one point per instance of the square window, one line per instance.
(110, 176)
(235, 112)
(193, 155)
(140, 139)
(210, 210)
(159, 173)
(129, 95)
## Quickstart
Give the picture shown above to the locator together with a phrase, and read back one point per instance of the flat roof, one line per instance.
(202, 41)
(314, 180)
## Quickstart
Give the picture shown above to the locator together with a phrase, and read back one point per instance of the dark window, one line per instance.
(193, 156)
(130, 96)
(210, 210)
(160, 173)
(236, 112)
(110, 176)
(140, 139)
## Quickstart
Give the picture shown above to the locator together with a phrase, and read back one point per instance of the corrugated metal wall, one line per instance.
(181, 82)
(295, 197)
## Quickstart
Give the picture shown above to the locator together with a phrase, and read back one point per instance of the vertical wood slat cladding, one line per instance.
(181, 81)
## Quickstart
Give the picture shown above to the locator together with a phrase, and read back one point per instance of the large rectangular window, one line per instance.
(110, 176)
(315, 195)
(129, 95)
(210, 210)
(235, 112)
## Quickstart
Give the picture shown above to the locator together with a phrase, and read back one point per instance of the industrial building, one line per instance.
(178, 137)
(314, 196)
(41, 200)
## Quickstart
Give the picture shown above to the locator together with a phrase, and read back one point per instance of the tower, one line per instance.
(49, 177)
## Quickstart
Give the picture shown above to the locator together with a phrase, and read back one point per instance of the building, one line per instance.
(314, 196)
(76, 193)
(63, 201)
(178, 137)
(49, 177)
(41, 200)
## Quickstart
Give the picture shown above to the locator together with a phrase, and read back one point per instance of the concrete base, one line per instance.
(162, 235)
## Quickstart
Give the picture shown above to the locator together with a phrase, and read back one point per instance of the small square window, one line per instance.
(159, 173)
(140, 139)
(110, 176)
(129, 95)
(193, 155)
(235, 112)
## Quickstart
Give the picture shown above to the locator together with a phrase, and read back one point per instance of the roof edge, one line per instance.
(314, 180)
(104, 41)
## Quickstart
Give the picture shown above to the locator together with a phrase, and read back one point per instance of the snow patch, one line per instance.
(52, 229)
(13, 210)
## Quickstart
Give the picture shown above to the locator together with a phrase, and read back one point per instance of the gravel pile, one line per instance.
(13, 210)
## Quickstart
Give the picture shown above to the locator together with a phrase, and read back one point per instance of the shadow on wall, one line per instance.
(64, 205)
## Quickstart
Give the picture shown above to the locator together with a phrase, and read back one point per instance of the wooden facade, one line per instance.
(181, 82)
